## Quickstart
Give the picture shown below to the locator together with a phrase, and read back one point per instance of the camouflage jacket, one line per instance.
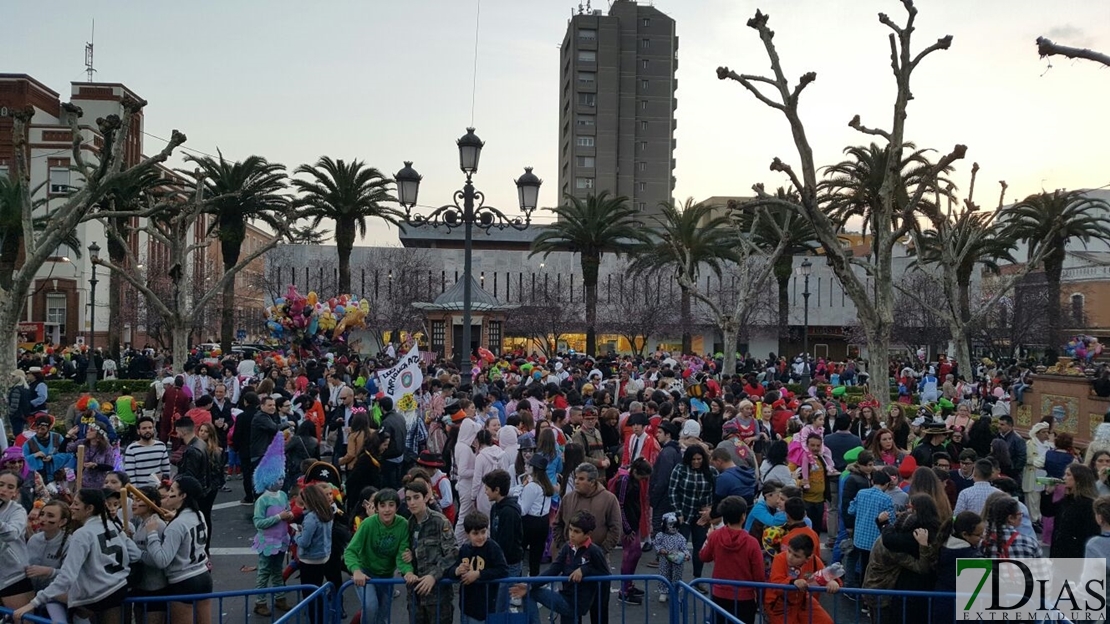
(434, 549)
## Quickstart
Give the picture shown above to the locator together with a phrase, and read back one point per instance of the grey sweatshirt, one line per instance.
(96, 565)
(13, 548)
(152, 577)
(179, 552)
(49, 552)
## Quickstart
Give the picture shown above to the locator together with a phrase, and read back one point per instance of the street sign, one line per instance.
(241, 335)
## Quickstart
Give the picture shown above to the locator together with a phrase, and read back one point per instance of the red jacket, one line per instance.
(738, 559)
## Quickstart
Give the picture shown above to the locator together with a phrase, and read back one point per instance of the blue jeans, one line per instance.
(841, 535)
(376, 604)
(556, 602)
(530, 607)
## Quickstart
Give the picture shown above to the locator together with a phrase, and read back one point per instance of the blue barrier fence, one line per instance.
(34, 619)
(226, 604)
(315, 608)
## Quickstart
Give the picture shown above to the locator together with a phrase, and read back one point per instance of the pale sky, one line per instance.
(386, 82)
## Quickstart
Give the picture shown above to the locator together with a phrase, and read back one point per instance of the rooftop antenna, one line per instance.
(581, 9)
(89, 53)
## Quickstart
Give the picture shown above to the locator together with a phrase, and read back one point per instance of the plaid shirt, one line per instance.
(974, 498)
(866, 507)
(416, 438)
(690, 491)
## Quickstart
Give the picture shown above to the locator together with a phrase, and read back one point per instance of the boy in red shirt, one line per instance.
(797, 566)
(741, 560)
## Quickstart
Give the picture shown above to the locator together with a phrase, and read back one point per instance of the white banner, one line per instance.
(404, 378)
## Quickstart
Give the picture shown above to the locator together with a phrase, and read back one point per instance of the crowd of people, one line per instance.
(536, 467)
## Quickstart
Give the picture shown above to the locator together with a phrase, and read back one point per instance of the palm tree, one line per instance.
(242, 191)
(591, 228)
(308, 235)
(1050, 221)
(700, 233)
(347, 193)
(132, 193)
(853, 188)
(11, 227)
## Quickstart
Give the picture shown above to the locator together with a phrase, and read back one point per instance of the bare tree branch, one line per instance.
(856, 125)
(1046, 47)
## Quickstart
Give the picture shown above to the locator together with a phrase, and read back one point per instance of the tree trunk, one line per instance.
(230, 248)
(730, 331)
(878, 365)
(784, 307)
(1053, 267)
(115, 307)
(8, 254)
(344, 242)
(962, 346)
(180, 332)
(686, 314)
(590, 266)
(11, 308)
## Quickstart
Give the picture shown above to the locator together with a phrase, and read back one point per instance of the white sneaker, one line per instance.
(662, 597)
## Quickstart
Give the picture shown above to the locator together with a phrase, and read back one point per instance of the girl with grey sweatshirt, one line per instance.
(148, 579)
(15, 589)
(93, 577)
(179, 552)
(46, 550)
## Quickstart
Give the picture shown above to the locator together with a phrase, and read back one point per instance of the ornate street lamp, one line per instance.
(804, 270)
(467, 211)
(92, 373)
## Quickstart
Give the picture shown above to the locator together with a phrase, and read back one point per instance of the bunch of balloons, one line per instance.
(1084, 348)
(295, 316)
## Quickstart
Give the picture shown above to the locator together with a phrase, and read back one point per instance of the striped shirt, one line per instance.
(141, 461)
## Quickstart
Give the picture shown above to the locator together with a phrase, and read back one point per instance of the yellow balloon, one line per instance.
(312, 298)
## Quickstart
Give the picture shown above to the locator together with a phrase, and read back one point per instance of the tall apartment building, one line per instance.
(617, 104)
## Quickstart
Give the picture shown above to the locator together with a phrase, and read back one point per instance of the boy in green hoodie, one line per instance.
(375, 552)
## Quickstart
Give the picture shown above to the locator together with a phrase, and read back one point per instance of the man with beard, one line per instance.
(147, 455)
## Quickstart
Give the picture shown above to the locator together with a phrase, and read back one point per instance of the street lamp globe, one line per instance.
(408, 185)
(470, 150)
(94, 252)
(528, 188)
(806, 268)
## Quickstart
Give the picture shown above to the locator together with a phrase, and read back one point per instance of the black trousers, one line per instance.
(248, 476)
(536, 529)
(312, 574)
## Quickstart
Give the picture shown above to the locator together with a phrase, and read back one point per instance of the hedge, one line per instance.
(63, 385)
(124, 386)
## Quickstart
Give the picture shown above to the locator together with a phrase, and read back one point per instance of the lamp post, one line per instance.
(92, 372)
(467, 211)
(804, 271)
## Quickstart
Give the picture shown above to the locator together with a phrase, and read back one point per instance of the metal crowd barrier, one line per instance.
(345, 610)
(226, 603)
(314, 609)
(34, 619)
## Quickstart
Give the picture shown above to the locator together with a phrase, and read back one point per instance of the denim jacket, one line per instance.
(314, 540)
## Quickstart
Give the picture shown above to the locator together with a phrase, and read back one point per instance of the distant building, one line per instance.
(617, 104)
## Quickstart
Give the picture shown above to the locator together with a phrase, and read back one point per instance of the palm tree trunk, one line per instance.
(1053, 268)
(230, 250)
(117, 253)
(686, 313)
(730, 333)
(591, 263)
(344, 242)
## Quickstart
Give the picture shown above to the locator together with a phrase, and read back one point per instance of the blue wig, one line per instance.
(271, 468)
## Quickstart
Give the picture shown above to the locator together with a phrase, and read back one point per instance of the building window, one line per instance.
(643, 125)
(587, 56)
(587, 78)
(645, 44)
(641, 166)
(643, 104)
(587, 99)
(641, 206)
(586, 161)
(644, 84)
(4, 171)
(641, 186)
(647, 21)
(494, 331)
(59, 180)
(584, 141)
(55, 309)
(587, 34)
(439, 333)
(584, 183)
(586, 120)
(1077, 309)
(644, 64)
(643, 146)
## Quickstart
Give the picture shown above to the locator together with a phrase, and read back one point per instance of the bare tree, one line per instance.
(641, 309)
(546, 318)
(156, 274)
(174, 231)
(1017, 321)
(917, 326)
(894, 215)
(391, 308)
(80, 206)
(1046, 47)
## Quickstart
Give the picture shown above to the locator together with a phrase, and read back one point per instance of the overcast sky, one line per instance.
(384, 82)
